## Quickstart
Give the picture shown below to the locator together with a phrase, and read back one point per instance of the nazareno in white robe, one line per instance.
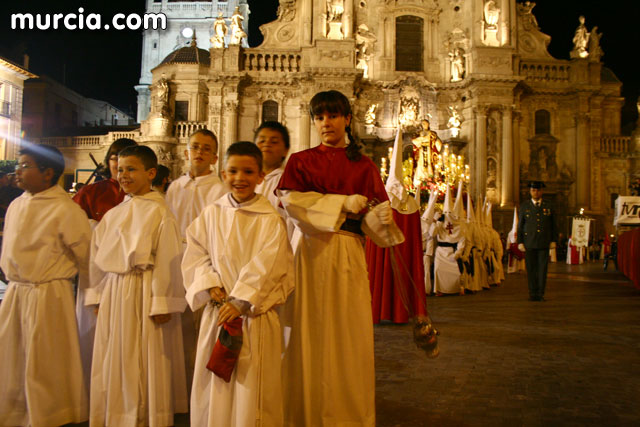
(244, 249)
(138, 373)
(446, 273)
(45, 243)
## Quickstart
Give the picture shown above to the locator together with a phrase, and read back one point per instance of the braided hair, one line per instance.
(335, 102)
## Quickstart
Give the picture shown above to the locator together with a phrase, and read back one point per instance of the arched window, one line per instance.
(269, 111)
(543, 122)
(409, 43)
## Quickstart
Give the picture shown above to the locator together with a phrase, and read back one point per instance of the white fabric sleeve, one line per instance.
(198, 272)
(167, 292)
(383, 235)
(96, 275)
(314, 212)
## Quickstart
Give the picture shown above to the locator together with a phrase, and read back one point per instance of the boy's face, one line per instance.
(270, 142)
(242, 174)
(30, 178)
(132, 176)
(201, 153)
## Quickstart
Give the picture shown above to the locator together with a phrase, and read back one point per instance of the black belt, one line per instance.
(352, 226)
(448, 245)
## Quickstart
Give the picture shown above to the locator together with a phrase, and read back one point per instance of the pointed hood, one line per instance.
(512, 238)
(398, 195)
(458, 209)
(471, 217)
(427, 216)
(488, 216)
(447, 207)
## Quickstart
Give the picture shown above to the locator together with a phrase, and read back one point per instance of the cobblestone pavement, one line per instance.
(572, 360)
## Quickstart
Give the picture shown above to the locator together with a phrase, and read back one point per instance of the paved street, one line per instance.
(572, 360)
(504, 361)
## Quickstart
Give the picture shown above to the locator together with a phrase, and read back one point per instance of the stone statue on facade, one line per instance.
(364, 48)
(457, 65)
(237, 33)
(491, 15)
(595, 51)
(335, 9)
(162, 98)
(409, 108)
(580, 40)
(426, 150)
(529, 20)
(286, 10)
(454, 123)
(219, 32)
(370, 115)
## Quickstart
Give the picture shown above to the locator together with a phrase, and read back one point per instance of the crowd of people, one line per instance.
(216, 258)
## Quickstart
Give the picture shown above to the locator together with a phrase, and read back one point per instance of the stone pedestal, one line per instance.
(335, 31)
(491, 37)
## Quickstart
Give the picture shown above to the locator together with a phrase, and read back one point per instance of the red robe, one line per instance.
(96, 199)
(386, 302)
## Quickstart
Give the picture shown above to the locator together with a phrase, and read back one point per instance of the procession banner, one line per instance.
(627, 210)
(580, 232)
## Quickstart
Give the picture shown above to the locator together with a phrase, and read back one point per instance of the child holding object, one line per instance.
(328, 365)
(238, 264)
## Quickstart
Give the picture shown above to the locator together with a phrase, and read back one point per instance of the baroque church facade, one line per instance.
(518, 114)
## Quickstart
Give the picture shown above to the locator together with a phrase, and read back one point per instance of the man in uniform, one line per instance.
(537, 232)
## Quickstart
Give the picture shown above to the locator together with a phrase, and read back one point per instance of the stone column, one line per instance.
(305, 127)
(480, 174)
(347, 19)
(506, 198)
(307, 22)
(230, 133)
(583, 169)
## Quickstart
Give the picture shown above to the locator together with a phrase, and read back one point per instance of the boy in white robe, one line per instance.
(187, 196)
(137, 374)
(238, 257)
(46, 243)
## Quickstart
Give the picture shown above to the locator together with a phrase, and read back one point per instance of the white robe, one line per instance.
(427, 258)
(187, 197)
(328, 368)
(45, 244)
(446, 278)
(137, 374)
(267, 188)
(244, 249)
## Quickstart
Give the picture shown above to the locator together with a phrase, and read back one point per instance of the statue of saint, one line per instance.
(491, 14)
(370, 115)
(528, 18)
(454, 122)
(364, 44)
(457, 65)
(426, 148)
(580, 40)
(286, 10)
(335, 9)
(220, 31)
(237, 33)
(595, 51)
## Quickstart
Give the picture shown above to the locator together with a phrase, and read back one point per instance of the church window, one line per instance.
(269, 111)
(543, 122)
(182, 111)
(409, 47)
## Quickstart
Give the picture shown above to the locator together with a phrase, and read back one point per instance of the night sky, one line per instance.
(106, 64)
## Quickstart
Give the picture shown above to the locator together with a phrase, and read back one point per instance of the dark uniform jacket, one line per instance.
(536, 225)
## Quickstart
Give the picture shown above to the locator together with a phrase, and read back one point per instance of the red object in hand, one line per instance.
(227, 349)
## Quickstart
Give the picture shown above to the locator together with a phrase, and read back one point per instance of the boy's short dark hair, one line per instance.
(114, 149)
(278, 127)
(162, 173)
(45, 156)
(142, 152)
(244, 148)
(206, 132)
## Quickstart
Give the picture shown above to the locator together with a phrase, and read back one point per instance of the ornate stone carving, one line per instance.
(491, 15)
(370, 115)
(457, 64)
(364, 48)
(580, 40)
(237, 33)
(529, 21)
(287, 10)
(335, 9)
(219, 32)
(595, 51)
(455, 121)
